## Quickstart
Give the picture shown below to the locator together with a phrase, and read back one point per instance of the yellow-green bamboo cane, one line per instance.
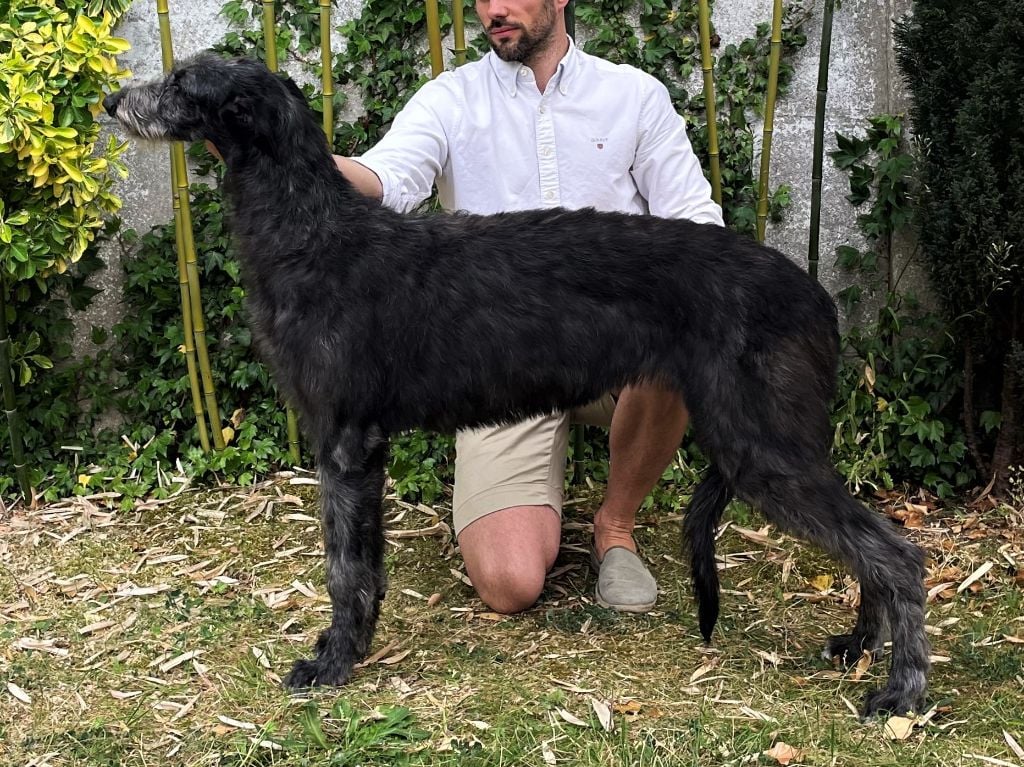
(10, 406)
(459, 32)
(179, 176)
(707, 66)
(434, 38)
(269, 35)
(195, 299)
(183, 286)
(328, 71)
(186, 316)
(769, 118)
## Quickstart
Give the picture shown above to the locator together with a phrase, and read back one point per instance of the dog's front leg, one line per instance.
(351, 466)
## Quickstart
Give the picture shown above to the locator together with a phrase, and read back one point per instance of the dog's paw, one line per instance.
(318, 671)
(303, 675)
(848, 649)
(894, 702)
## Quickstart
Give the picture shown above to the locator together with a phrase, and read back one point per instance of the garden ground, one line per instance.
(157, 636)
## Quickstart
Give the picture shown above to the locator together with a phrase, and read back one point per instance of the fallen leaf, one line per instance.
(1014, 745)
(783, 753)
(571, 718)
(898, 727)
(479, 724)
(381, 653)
(628, 707)
(943, 590)
(862, 665)
(821, 582)
(18, 693)
(604, 713)
(547, 754)
(236, 723)
(119, 695)
(974, 576)
(433, 599)
(489, 616)
(758, 536)
(174, 662)
(571, 687)
(392, 660)
(703, 669)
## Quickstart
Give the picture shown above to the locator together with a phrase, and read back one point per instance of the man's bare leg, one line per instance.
(647, 429)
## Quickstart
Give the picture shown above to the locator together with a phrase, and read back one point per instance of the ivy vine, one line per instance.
(898, 379)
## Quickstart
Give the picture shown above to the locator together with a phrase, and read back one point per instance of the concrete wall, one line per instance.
(863, 82)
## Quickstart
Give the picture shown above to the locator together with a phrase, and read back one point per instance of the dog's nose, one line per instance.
(110, 102)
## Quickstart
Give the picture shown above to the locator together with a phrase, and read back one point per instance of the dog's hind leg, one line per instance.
(351, 467)
(699, 526)
(817, 507)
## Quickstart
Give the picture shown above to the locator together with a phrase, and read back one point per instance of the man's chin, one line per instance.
(507, 51)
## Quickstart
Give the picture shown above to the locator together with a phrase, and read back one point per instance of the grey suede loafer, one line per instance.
(623, 581)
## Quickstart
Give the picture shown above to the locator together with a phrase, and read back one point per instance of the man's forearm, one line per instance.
(361, 177)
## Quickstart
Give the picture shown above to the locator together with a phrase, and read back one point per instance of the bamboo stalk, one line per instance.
(186, 315)
(269, 35)
(195, 299)
(769, 118)
(10, 406)
(819, 139)
(183, 284)
(707, 66)
(328, 72)
(570, 19)
(434, 38)
(179, 176)
(459, 32)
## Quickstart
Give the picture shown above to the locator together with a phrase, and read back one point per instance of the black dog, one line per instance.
(374, 322)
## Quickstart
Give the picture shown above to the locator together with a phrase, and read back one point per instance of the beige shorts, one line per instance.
(497, 467)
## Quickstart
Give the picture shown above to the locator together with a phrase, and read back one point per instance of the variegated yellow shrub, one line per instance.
(56, 61)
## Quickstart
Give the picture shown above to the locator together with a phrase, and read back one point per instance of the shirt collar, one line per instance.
(511, 73)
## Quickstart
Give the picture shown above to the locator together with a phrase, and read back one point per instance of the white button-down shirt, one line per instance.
(600, 135)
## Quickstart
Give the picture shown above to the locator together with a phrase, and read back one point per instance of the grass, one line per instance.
(158, 637)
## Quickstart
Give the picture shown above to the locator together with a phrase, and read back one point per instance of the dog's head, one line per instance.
(234, 102)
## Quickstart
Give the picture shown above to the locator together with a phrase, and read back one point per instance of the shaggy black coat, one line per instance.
(375, 322)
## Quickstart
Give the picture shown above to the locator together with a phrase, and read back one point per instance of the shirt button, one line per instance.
(541, 110)
(549, 195)
(546, 151)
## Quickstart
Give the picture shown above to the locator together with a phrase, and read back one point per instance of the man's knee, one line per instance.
(509, 589)
(508, 554)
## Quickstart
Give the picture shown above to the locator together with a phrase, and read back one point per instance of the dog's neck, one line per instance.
(290, 185)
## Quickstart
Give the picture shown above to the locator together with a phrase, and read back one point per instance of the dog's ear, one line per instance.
(239, 113)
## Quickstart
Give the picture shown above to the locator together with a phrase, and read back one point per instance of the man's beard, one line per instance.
(531, 40)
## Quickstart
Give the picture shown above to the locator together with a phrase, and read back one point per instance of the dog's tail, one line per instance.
(700, 524)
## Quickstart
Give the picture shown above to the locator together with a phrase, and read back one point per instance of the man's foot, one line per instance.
(623, 581)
